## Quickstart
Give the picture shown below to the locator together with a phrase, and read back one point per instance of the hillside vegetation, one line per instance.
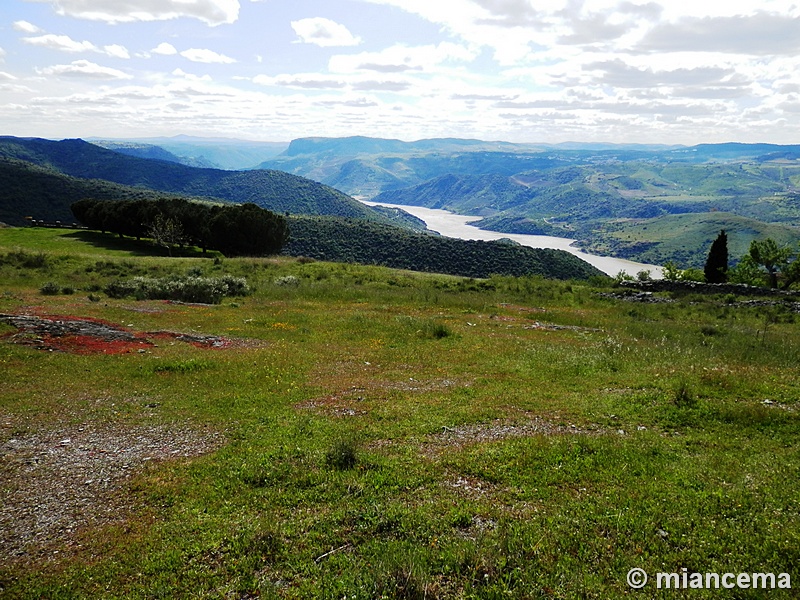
(357, 241)
(653, 204)
(331, 430)
(43, 192)
(587, 192)
(28, 190)
(274, 190)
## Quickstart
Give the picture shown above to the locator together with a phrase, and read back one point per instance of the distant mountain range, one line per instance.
(212, 153)
(364, 166)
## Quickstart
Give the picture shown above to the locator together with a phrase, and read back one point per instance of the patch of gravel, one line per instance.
(458, 437)
(57, 482)
(345, 403)
(499, 429)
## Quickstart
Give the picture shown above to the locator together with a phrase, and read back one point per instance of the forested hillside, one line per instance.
(357, 241)
(27, 190)
(273, 190)
(233, 229)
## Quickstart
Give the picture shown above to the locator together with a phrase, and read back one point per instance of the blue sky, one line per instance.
(661, 71)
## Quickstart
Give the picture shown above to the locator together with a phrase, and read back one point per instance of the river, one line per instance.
(457, 226)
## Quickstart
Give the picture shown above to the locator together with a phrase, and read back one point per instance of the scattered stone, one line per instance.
(84, 335)
(52, 488)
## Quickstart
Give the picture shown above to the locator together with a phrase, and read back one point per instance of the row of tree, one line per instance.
(234, 230)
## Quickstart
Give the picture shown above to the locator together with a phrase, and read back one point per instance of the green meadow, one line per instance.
(363, 432)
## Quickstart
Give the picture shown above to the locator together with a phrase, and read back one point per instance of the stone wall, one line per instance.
(738, 289)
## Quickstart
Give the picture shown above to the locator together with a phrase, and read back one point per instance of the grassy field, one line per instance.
(362, 432)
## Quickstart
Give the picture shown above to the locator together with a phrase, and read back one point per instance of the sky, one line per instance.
(620, 71)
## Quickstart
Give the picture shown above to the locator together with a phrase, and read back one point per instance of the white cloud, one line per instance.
(372, 85)
(26, 27)
(212, 12)
(401, 59)
(203, 55)
(758, 34)
(83, 69)
(63, 43)
(164, 49)
(676, 70)
(324, 32)
(116, 51)
(302, 81)
(181, 74)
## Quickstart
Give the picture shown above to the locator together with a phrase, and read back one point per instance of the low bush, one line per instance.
(25, 259)
(342, 455)
(50, 289)
(287, 280)
(205, 290)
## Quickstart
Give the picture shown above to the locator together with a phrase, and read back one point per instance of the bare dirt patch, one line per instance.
(60, 481)
(346, 402)
(336, 405)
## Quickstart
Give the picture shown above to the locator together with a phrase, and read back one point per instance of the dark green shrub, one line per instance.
(50, 289)
(26, 260)
(342, 455)
(438, 331)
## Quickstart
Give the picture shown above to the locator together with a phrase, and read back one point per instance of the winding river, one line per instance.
(457, 226)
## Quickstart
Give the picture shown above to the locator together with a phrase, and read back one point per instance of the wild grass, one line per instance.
(400, 435)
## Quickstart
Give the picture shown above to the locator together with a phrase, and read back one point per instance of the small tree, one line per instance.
(671, 271)
(166, 231)
(772, 257)
(746, 272)
(716, 268)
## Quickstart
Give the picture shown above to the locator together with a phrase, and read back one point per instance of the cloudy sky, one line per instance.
(665, 71)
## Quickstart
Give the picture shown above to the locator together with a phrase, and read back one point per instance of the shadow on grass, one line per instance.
(144, 247)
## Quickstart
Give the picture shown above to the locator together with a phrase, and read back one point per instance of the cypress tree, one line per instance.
(716, 269)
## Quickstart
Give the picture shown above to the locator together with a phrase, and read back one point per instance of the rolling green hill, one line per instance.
(607, 196)
(363, 242)
(273, 190)
(685, 239)
(622, 200)
(27, 190)
(366, 166)
(640, 210)
(331, 431)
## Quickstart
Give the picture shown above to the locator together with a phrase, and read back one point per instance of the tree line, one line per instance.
(233, 229)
